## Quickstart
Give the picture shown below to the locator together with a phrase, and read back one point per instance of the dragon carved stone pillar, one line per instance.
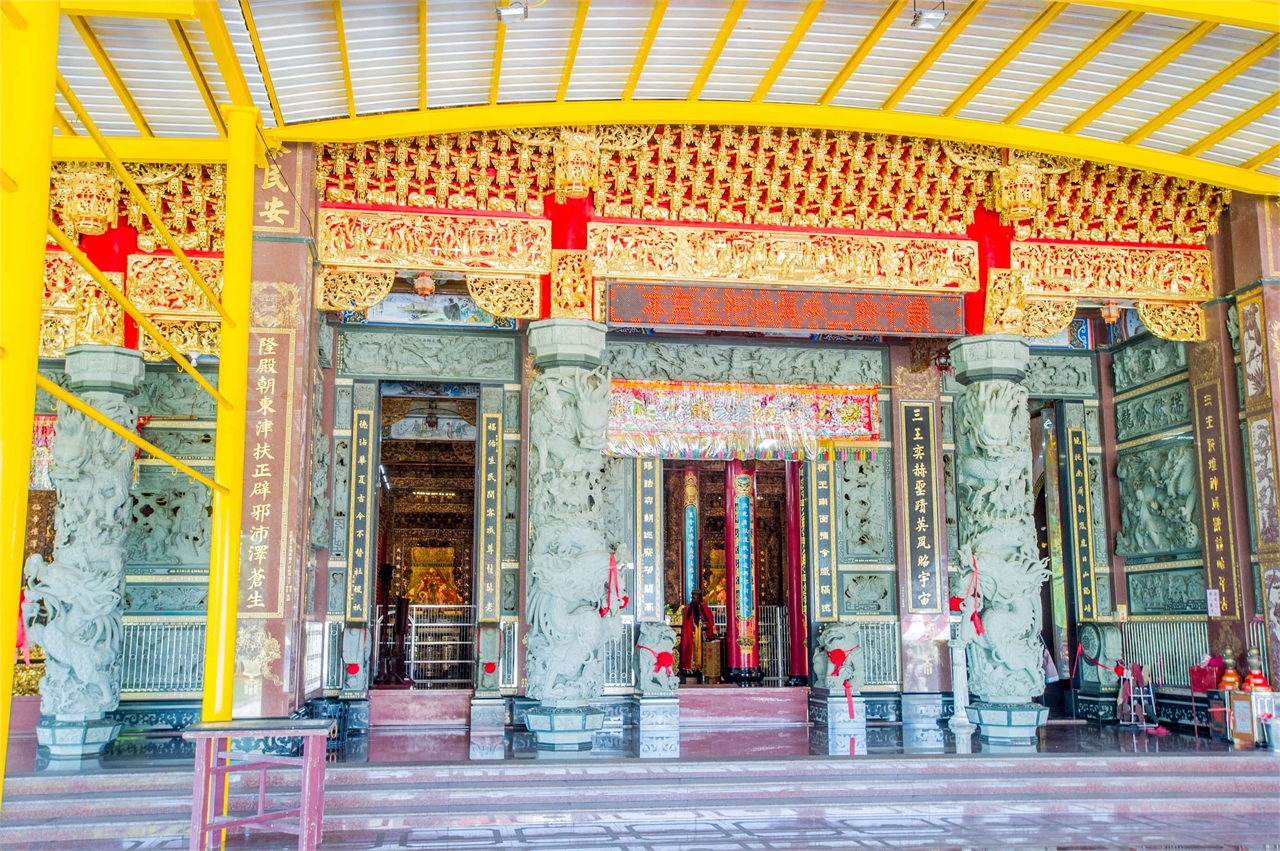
(570, 616)
(998, 538)
(75, 603)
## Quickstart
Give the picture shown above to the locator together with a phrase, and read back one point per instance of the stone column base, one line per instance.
(834, 733)
(71, 744)
(659, 727)
(488, 728)
(564, 728)
(922, 710)
(1012, 724)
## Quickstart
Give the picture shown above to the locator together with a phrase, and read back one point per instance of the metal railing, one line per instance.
(313, 661)
(619, 659)
(440, 646)
(880, 652)
(333, 677)
(162, 657)
(1173, 646)
(775, 648)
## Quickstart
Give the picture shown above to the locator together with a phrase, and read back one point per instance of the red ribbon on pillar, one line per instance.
(613, 590)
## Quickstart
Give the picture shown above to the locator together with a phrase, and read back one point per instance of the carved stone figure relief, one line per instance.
(655, 662)
(751, 364)
(1060, 376)
(1150, 413)
(997, 533)
(568, 551)
(509, 593)
(1261, 451)
(149, 599)
(74, 604)
(175, 395)
(337, 591)
(619, 512)
(867, 594)
(1159, 505)
(1233, 328)
(321, 457)
(510, 500)
(1098, 512)
(171, 526)
(949, 501)
(511, 412)
(324, 345)
(342, 406)
(184, 443)
(46, 404)
(1167, 592)
(1253, 356)
(839, 658)
(865, 518)
(1147, 361)
(380, 354)
(1092, 427)
(341, 496)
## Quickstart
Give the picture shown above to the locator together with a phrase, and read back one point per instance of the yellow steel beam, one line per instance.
(646, 43)
(571, 55)
(133, 149)
(1019, 44)
(197, 74)
(717, 47)
(458, 119)
(224, 52)
(133, 437)
(228, 460)
(165, 9)
(1081, 59)
(788, 48)
(1269, 155)
(346, 60)
(950, 34)
(1242, 120)
(1253, 14)
(121, 299)
(28, 62)
(113, 76)
(872, 38)
(140, 197)
(60, 121)
(1146, 72)
(1203, 90)
(262, 61)
(422, 54)
(495, 77)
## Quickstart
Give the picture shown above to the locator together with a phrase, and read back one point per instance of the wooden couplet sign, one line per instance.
(821, 536)
(690, 519)
(362, 545)
(1080, 522)
(490, 513)
(921, 508)
(648, 563)
(742, 632)
(1222, 584)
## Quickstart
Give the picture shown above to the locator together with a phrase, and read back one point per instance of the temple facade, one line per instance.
(555, 429)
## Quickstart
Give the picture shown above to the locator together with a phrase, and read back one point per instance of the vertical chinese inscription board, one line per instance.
(363, 532)
(490, 511)
(268, 444)
(690, 533)
(648, 566)
(1081, 523)
(823, 536)
(1215, 497)
(744, 563)
(920, 492)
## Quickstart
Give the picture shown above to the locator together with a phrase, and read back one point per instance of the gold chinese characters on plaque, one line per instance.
(747, 255)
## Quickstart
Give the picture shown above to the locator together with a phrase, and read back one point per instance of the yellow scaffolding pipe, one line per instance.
(141, 198)
(106, 422)
(121, 299)
(228, 463)
(28, 62)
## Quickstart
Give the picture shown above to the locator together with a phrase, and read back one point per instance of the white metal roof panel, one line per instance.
(1219, 107)
(300, 44)
(1247, 142)
(611, 39)
(460, 41)
(533, 55)
(90, 85)
(830, 41)
(382, 49)
(682, 43)
(761, 32)
(243, 46)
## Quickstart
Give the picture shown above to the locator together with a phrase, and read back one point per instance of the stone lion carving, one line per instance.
(656, 659)
(838, 658)
(568, 556)
(998, 540)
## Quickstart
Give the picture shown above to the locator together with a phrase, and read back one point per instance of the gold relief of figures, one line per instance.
(574, 294)
(75, 310)
(1010, 311)
(161, 287)
(352, 289)
(1183, 323)
(190, 338)
(507, 297)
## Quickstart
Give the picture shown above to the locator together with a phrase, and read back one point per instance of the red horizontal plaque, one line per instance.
(728, 308)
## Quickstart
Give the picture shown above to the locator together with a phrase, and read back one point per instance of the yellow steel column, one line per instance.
(233, 375)
(28, 63)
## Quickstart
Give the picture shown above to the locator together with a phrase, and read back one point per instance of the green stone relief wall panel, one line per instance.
(864, 592)
(864, 494)
(1146, 360)
(1160, 410)
(1167, 592)
(1159, 500)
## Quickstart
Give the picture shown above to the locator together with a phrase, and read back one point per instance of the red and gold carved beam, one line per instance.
(1038, 295)
(782, 258)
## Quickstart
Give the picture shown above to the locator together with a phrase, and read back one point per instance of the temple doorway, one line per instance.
(695, 566)
(426, 604)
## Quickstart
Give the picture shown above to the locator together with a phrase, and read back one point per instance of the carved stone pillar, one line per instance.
(572, 612)
(998, 539)
(75, 603)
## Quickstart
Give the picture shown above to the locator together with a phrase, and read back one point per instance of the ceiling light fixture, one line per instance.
(928, 19)
(515, 11)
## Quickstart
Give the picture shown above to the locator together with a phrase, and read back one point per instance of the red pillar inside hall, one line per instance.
(797, 622)
(742, 633)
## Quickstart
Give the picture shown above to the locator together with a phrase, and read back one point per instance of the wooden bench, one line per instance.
(215, 760)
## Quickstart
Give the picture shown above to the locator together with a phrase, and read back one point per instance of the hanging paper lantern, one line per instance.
(91, 203)
(1019, 191)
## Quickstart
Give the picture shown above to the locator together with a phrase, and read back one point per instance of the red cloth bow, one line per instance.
(353, 668)
(837, 658)
(663, 660)
(490, 667)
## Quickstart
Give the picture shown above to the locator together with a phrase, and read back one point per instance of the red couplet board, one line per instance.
(735, 308)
